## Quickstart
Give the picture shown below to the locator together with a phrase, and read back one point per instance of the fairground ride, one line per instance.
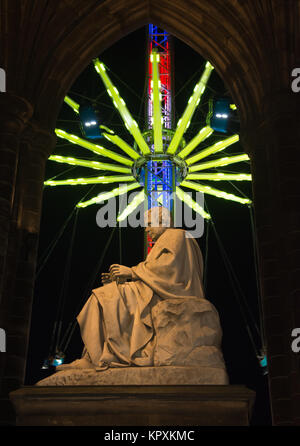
(157, 161)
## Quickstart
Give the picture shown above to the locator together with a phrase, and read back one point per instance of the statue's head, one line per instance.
(157, 220)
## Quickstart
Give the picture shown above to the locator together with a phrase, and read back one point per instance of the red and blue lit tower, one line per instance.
(160, 174)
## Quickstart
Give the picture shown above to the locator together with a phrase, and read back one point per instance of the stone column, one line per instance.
(273, 146)
(19, 272)
(14, 114)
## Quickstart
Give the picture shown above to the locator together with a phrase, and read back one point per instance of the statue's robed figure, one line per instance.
(118, 321)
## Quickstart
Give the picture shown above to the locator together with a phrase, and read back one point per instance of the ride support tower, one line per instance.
(160, 173)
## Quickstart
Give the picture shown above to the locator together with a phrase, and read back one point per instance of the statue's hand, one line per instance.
(120, 271)
(105, 278)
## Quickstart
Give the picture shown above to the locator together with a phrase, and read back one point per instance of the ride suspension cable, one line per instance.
(206, 259)
(65, 284)
(72, 325)
(255, 256)
(232, 279)
(45, 256)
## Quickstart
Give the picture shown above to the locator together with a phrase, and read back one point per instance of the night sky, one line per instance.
(126, 61)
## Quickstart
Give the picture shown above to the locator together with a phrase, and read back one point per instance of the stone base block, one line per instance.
(133, 405)
(119, 376)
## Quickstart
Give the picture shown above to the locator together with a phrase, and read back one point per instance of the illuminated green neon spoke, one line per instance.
(86, 163)
(221, 145)
(89, 180)
(72, 104)
(193, 102)
(219, 162)
(115, 139)
(107, 195)
(217, 193)
(204, 133)
(186, 198)
(137, 200)
(120, 105)
(219, 176)
(93, 147)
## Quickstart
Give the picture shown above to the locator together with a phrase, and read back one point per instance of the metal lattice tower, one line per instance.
(159, 175)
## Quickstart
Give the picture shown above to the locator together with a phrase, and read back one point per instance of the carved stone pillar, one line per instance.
(273, 147)
(35, 145)
(14, 114)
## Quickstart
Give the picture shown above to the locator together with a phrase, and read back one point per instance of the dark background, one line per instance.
(126, 61)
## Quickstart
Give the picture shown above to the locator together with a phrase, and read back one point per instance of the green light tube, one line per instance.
(157, 116)
(193, 102)
(115, 139)
(72, 104)
(204, 133)
(138, 199)
(89, 180)
(219, 162)
(119, 103)
(183, 196)
(215, 192)
(107, 195)
(92, 164)
(221, 145)
(219, 176)
(93, 147)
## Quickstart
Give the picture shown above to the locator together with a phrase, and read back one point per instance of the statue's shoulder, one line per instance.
(174, 234)
(180, 238)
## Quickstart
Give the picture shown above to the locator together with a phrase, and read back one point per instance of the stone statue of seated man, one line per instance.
(153, 314)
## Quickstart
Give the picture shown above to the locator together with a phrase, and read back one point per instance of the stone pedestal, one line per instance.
(138, 376)
(133, 405)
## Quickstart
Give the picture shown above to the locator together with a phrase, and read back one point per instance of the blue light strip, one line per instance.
(159, 184)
